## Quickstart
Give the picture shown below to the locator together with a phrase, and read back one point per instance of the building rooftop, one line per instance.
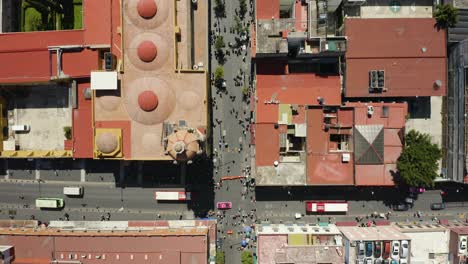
(140, 241)
(375, 233)
(157, 48)
(308, 244)
(404, 48)
(340, 145)
(269, 229)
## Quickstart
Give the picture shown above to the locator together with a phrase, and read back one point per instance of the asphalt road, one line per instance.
(231, 139)
(97, 199)
(284, 206)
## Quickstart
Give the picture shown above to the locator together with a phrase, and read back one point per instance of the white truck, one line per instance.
(73, 190)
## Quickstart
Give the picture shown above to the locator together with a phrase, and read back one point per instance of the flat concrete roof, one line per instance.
(268, 229)
(374, 233)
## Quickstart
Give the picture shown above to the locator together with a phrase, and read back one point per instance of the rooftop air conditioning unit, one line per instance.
(346, 157)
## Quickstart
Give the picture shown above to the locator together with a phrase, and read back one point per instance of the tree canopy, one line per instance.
(219, 73)
(246, 257)
(446, 16)
(219, 257)
(219, 43)
(418, 163)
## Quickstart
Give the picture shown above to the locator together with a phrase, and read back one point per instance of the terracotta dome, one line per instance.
(182, 145)
(106, 143)
(147, 51)
(148, 101)
(147, 8)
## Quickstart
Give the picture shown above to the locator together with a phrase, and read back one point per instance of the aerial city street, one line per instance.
(234, 131)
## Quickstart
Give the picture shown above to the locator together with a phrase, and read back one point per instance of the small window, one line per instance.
(431, 255)
(385, 111)
(339, 142)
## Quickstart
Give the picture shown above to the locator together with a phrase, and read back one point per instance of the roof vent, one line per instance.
(437, 84)
(320, 100)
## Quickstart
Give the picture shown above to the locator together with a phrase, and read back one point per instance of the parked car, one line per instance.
(394, 261)
(395, 250)
(437, 206)
(409, 200)
(378, 261)
(386, 261)
(377, 249)
(404, 249)
(403, 261)
(360, 249)
(386, 250)
(417, 189)
(463, 244)
(369, 249)
(224, 205)
(368, 261)
(401, 207)
(359, 261)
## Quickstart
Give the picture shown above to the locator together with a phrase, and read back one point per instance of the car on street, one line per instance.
(437, 206)
(400, 207)
(409, 200)
(417, 189)
(377, 249)
(463, 244)
(224, 205)
(404, 249)
(395, 250)
(368, 249)
(360, 249)
(386, 250)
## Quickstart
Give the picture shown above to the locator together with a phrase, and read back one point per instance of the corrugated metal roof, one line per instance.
(369, 144)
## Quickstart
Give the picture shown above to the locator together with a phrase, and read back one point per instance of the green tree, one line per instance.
(220, 9)
(67, 132)
(446, 16)
(219, 43)
(246, 257)
(219, 73)
(245, 92)
(242, 7)
(418, 162)
(238, 25)
(219, 257)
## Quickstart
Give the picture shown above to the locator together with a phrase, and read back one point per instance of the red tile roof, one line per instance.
(267, 9)
(324, 167)
(83, 133)
(266, 144)
(302, 89)
(406, 49)
(19, 48)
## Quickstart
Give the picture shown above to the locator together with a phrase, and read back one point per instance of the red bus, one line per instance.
(326, 207)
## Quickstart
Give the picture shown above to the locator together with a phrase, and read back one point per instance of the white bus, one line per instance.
(172, 195)
(327, 206)
(73, 190)
(49, 203)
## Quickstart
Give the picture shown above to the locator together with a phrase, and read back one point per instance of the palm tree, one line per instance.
(446, 16)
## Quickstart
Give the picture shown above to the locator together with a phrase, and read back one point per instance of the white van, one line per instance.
(73, 190)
